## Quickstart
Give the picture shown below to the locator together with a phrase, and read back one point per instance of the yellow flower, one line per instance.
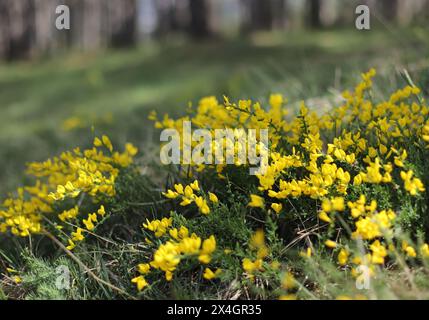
(202, 205)
(190, 245)
(166, 258)
(371, 227)
(412, 185)
(207, 248)
(189, 192)
(97, 142)
(101, 211)
(168, 275)
(277, 207)
(71, 245)
(209, 274)
(262, 252)
(326, 205)
(205, 209)
(178, 188)
(324, 217)
(288, 281)
(170, 194)
(258, 239)
(256, 201)
(409, 250)
(249, 266)
(307, 253)
(17, 279)
(330, 244)
(77, 236)
(93, 217)
(357, 180)
(140, 281)
(69, 214)
(333, 204)
(213, 198)
(159, 227)
(379, 252)
(131, 149)
(143, 268)
(338, 204)
(343, 297)
(185, 202)
(11, 270)
(107, 143)
(343, 256)
(194, 185)
(424, 249)
(276, 100)
(89, 225)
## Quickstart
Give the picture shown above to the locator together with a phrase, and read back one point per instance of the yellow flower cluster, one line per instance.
(22, 214)
(91, 171)
(374, 227)
(159, 227)
(211, 115)
(180, 245)
(367, 142)
(188, 196)
(412, 185)
(71, 175)
(89, 225)
(258, 246)
(369, 223)
(324, 157)
(331, 205)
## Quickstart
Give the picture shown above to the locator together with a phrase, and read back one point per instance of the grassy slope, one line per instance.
(36, 97)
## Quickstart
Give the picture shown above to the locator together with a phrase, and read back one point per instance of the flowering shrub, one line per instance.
(344, 191)
(180, 245)
(329, 164)
(69, 182)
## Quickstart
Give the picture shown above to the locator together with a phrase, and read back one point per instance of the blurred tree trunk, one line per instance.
(258, 14)
(92, 35)
(261, 14)
(17, 28)
(389, 9)
(28, 26)
(73, 37)
(122, 22)
(279, 10)
(406, 12)
(199, 15)
(425, 15)
(314, 16)
(45, 39)
(4, 30)
(167, 11)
